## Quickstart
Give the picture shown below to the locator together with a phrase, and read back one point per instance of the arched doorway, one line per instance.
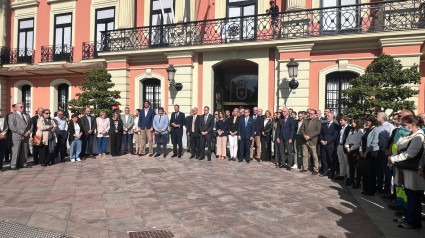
(63, 96)
(152, 92)
(335, 83)
(235, 85)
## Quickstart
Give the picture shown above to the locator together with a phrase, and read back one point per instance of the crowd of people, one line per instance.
(369, 153)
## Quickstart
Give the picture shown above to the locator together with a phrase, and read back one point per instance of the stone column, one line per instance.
(180, 10)
(220, 9)
(3, 19)
(126, 13)
(121, 79)
(295, 5)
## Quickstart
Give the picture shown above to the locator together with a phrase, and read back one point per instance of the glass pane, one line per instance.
(249, 10)
(26, 24)
(165, 4)
(110, 26)
(67, 36)
(234, 11)
(329, 3)
(100, 28)
(239, 0)
(21, 43)
(348, 2)
(168, 18)
(58, 36)
(63, 19)
(102, 14)
(30, 40)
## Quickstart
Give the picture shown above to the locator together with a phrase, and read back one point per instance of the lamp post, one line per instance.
(293, 73)
(171, 71)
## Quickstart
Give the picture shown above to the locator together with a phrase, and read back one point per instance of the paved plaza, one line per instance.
(110, 196)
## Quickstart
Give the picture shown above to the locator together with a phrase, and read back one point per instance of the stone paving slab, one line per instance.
(110, 196)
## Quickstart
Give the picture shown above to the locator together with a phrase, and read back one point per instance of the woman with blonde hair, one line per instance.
(137, 134)
(266, 137)
(46, 128)
(232, 128)
(221, 136)
(103, 125)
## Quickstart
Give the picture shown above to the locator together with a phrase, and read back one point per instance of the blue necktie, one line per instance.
(246, 122)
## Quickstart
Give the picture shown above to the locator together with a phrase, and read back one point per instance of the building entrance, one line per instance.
(235, 85)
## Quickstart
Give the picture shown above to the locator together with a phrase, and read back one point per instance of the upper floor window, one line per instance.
(63, 36)
(105, 21)
(25, 39)
(162, 12)
(239, 8)
(339, 19)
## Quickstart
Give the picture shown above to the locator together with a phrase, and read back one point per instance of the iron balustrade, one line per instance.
(90, 50)
(358, 18)
(16, 56)
(57, 53)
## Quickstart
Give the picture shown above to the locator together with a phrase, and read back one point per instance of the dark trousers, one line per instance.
(61, 145)
(2, 152)
(327, 154)
(194, 145)
(88, 142)
(8, 150)
(414, 207)
(176, 139)
(369, 179)
(353, 165)
(266, 149)
(116, 144)
(299, 141)
(35, 154)
(286, 155)
(188, 141)
(214, 142)
(334, 163)
(128, 143)
(244, 149)
(383, 171)
(205, 140)
(161, 140)
(276, 152)
(45, 157)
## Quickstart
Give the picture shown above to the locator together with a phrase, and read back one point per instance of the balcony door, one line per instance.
(105, 21)
(162, 13)
(25, 40)
(62, 37)
(152, 93)
(339, 18)
(244, 26)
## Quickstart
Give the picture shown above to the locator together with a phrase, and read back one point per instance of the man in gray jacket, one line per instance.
(21, 127)
(128, 123)
(310, 130)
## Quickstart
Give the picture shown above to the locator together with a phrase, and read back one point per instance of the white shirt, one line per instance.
(126, 118)
(300, 123)
(1, 125)
(22, 115)
(89, 119)
(146, 112)
(77, 128)
(341, 134)
(265, 121)
(62, 125)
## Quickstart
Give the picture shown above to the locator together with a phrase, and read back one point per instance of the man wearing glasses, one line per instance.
(62, 134)
(310, 130)
(206, 128)
(21, 126)
(128, 123)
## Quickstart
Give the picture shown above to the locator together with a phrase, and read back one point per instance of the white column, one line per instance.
(295, 5)
(220, 9)
(3, 7)
(263, 5)
(180, 10)
(121, 79)
(126, 14)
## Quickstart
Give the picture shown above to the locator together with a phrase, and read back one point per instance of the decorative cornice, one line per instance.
(24, 4)
(398, 41)
(58, 1)
(291, 47)
(179, 55)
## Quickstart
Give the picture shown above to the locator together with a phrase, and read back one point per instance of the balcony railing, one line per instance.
(57, 53)
(90, 50)
(350, 19)
(16, 56)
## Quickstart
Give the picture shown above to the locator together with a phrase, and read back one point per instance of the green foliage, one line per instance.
(384, 86)
(96, 93)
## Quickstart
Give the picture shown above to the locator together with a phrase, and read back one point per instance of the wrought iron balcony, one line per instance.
(350, 19)
(16, 56)
(57, 53)
(90, 50)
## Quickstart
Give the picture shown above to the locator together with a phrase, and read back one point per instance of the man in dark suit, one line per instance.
(245, 136)
(187, 131)
(205, 130)
(328, 139)
(177, 122)
(146, 116)
(34, 120)
(285, 137)
(89, 125)
(193, 124)
(258, 129)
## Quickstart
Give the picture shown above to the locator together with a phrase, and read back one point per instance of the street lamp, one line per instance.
(171, 71)
(293, 73)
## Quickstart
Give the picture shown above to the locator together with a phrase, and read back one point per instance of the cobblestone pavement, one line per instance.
(108, 197)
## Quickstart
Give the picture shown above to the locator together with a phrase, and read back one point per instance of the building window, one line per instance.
(335, 83)
(243, 28)
(26, 98)
(162, 13)
(344, 19)
(63, 96)
(63, 36)
(25, 40)
(152, 93)
(105, 21)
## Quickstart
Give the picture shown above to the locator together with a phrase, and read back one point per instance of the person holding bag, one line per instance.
(46, 128)
(407, 160)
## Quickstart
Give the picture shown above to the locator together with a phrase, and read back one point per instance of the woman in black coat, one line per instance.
(116, 132)
(266, 150)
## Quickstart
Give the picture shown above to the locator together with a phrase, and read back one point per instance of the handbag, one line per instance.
(36, 140)
(412, 163)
